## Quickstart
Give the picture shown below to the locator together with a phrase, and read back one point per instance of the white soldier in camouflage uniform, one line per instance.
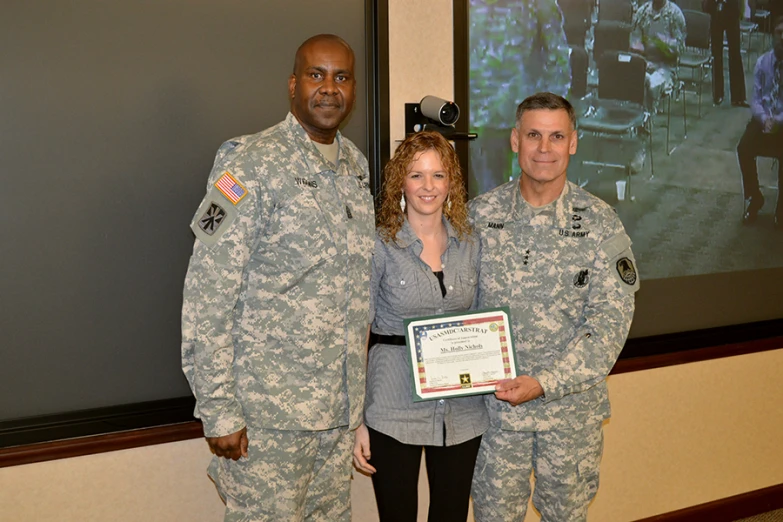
(276, 302)
(561, 260)
(517, 48)
(659, 33)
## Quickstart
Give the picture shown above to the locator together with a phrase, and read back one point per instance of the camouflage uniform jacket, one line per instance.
(670, 22)
(276, 299)
(568, 276)
(517, 48)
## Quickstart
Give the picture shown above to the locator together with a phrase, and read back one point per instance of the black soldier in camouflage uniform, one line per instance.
(276, 302)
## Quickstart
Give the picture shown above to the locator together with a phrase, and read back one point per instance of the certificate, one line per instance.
(459, 354)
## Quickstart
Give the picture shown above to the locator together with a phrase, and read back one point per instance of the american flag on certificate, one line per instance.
(494, 323)
(231, 188)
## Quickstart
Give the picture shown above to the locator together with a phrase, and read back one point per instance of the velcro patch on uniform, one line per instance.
(616, 245)
(231, 188)
(211, 220)
(621, 262)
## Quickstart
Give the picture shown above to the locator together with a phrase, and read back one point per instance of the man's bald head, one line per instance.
(314, 41)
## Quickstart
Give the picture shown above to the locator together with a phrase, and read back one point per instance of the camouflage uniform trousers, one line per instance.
(288, 476)
(566, 465)
(658, 80)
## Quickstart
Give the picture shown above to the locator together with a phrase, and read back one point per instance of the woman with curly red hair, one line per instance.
(424, 264)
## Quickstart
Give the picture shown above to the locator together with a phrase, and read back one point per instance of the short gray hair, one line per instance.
(546, 100)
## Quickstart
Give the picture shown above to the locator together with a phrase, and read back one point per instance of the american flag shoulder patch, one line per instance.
(231, 188)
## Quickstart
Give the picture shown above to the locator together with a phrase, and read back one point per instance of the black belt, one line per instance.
(398, 340)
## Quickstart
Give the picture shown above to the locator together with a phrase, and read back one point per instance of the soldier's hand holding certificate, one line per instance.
(460, 354)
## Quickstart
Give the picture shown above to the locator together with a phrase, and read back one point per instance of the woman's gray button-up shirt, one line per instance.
(403, 286)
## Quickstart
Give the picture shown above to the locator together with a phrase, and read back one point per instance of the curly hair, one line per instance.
(390, 216)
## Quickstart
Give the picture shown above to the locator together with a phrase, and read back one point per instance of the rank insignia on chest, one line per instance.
(582, 278)
(212, 219)
(231, 188)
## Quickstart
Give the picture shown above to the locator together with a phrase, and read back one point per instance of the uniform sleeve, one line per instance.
(225, 227)
(679, 32)
(636, 26)
(596, 344)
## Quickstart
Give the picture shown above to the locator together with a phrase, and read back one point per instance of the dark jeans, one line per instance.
(756, 143)
(728, 22)
(396, 483)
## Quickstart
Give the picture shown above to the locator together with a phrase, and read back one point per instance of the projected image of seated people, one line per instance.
(694, 180)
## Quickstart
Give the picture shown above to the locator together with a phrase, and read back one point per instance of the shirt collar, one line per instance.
(315, 160)
(523, 211)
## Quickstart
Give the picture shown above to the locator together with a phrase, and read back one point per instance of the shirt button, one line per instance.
(451, 287)
(440, 310)
(442, 266)
(402, 282)
(441, 401)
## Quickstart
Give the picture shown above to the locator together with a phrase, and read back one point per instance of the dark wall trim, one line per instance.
(699, 345)
(461, 83)
(727, 509)
(703, 354)
(377, 51)
(63, 449)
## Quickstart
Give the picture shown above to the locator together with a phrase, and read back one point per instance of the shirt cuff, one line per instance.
(552, 389)
(223, 425)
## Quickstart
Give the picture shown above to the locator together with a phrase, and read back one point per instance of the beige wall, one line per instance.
(421, 60)
(680, 436)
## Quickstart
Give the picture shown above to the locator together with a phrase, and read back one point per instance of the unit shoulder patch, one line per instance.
(626, 271)
(211, 220)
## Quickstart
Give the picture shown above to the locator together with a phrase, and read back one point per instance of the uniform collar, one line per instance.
(523, 211)
(316, 162)
(406, 236)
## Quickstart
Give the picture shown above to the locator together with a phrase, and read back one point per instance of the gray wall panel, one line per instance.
(110, 115)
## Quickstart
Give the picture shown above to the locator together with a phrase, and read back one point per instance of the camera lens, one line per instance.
(449, 113)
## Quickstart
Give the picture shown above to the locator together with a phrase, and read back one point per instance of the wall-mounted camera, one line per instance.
(434, 114)
(441, 111)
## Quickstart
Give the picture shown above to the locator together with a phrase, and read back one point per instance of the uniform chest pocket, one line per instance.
(300, 231)
(361, 222)
(564, 300)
